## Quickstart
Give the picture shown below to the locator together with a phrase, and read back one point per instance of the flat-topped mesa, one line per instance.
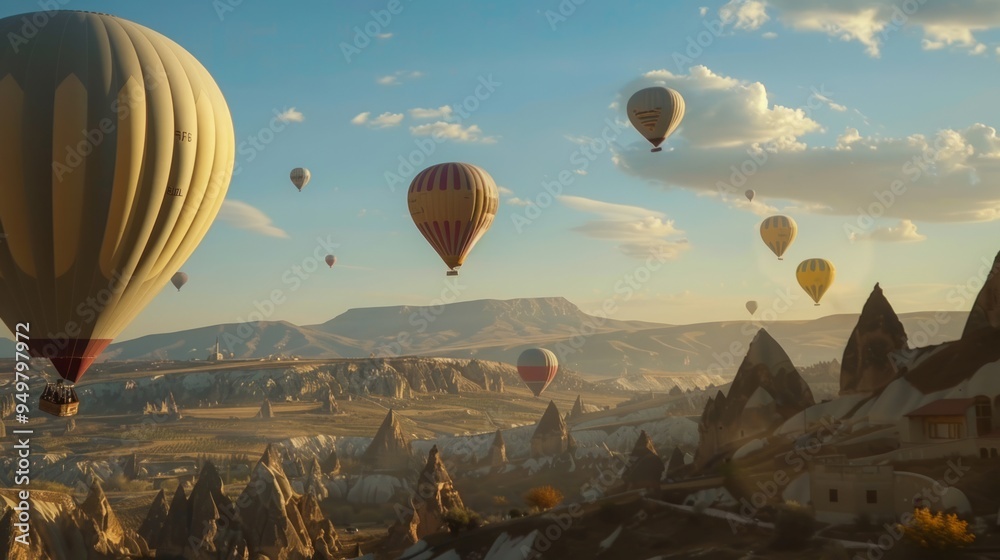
(985, 312)
(390, 449)
(866, 366)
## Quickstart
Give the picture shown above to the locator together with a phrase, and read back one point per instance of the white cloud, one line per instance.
(517, 202)
(769, 35)
(362, 213)
(397, 77)
(940, 175)
(244, 216)
(291, 115)
(384, 35)
(505, 191)
(702, 11)
(640, 232)
(453, 131)
(829, 102)
(744, 14)
(385, 120)
(904, 231)
(580, 171)
(729, 112)
(944, 23)
(443, 112)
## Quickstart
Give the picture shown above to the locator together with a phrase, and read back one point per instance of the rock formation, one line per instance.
(70, 426)
(676, 461)
(389, 449)
(330, 403)
(331, 465)
(156, 516)
(577, 409)
(313, 484)
(131, 467)
(265, 410)
(985, 313)
(3, 429)
(644, 468)
(551, 436)
(102, 532)
(435, 495)
(497, 456)
(766, 366)
(866, 366)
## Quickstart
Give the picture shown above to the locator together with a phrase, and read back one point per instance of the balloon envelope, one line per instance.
(815, 276)
(537, 368)
(331, 260)
(752, 307)
(300, 177)
(750, 194)
(655, 112)
(778, 233)
(453, 205)
(106, 222)
(179, 280)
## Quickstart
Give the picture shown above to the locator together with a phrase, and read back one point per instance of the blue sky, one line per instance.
(885, 95)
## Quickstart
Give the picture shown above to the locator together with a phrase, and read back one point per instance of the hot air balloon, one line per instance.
(179, 280)
(453, 204)
(752, 307)
(750, 194)
(537, 368)
(331, 260)
(778, 233)
(655, 112)
(815, 276)
(300, 177)
(96, 222)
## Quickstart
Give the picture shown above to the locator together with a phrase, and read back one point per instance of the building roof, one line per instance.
(944, 407)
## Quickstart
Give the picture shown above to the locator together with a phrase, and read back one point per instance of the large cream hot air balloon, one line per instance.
(453, 204)
(655, 112)
(778, 233)
(815, 276)
(300, 177)
(116, 151)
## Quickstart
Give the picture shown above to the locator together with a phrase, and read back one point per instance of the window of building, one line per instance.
(944, 430)
(871, 496)
(984, 416)
(833, 495)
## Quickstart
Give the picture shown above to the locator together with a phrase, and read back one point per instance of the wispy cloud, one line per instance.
(639, 231)
(397, 78)
(244, 216)
(443, 112)
(453, 131)
(903, 232)
(385, 120)
(291, 115)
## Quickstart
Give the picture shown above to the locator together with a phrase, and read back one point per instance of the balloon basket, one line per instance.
(59, 399)
(451, 273)
(656, 149)
(815, 305)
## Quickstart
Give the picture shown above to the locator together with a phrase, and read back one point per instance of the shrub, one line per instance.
(458, 519)
(793, 527)
(937, 531)
(515, 513)
(543, 497)
(500, 500)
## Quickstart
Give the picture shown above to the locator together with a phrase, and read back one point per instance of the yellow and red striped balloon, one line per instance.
(453, 204)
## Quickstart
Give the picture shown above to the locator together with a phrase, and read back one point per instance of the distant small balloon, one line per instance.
(750, 194)
(331, 260)
(179, 280)
(300, 177)
(752, 307)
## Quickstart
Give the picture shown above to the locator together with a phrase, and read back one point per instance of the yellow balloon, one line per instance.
(453, 205)
(778, 233)
(116, 151)
(815, 276)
